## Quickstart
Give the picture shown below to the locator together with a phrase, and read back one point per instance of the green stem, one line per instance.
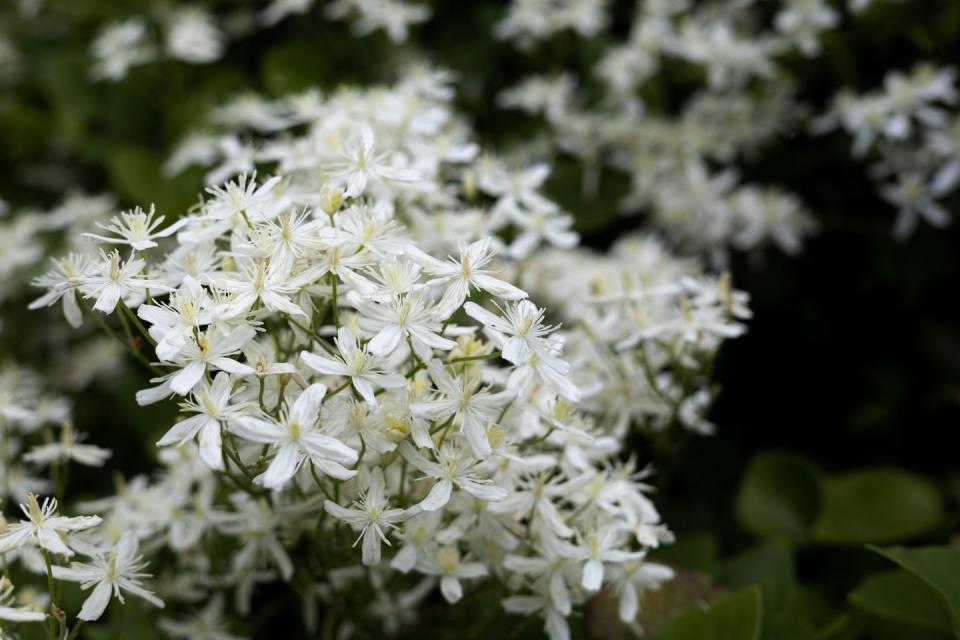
(51, 630)
(446, 428)
(75, 630)
(136, 322)
(334, 304)
(537, 440)
(105, 327)
(340, 388)
(453, 361)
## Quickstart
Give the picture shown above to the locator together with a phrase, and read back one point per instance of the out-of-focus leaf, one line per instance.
(778, 497)
(876, 506)
(687, 589)
(588, 191)
(938, 567)
(859, 625)
(295, 66)
(138, 174)
(737, 616)
(769, 566)
(902, 596)
(696, 551)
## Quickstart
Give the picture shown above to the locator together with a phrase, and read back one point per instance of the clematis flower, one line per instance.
(43, 527)
(355, 362)
(296, 437)
(371, 516)
(110, 573)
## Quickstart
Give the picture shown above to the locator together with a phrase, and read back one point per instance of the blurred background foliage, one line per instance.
(839, 409)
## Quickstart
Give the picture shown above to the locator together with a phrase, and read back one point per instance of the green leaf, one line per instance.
(687, 589)
(660, 606)
(858, 625)
(138, 174)
(778, 497)
(695, 550)
(904, 597)
(938, 567)
(768, 565)
(591, 197)
(876, 506)
(295, 66)
(736, 616)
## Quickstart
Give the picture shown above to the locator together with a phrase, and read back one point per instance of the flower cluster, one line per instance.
(358, 362)
(393, 17)
(530, 21)
(643, 328)
(44, 541)
(359, 349)
(26, 410)
(682, 165)
(47, 542)
(28, 235)
(189, 33)
(433, 160)
(324, 364)
(908, 128)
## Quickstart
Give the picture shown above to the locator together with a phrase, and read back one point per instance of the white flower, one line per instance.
(43, 528)
(402, 317)
(353, 361)
(461, 399)
(393, 16)
(207, 624)
(473, 421)
(263, 359)
(255, 523)
(524, 341)
(13, 613)
(137, 229)
(110, 573)
(172, 323)
(68, 448)
(260, 282)
(599, 547)
(63, 282)
(633, 577)
(112, 280)
(277, 10)
(555, 620)
(552, 568)
(212, 404)
(192, 36)
(296, 438)
(121, 46)
(534, 497)
(460, 274)
(209, 349)
(518, 191)
(448, 564)
(371, 516)
(915, 198)
(361, 163)
(453, 469)
(243, 197)
(541, 225)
